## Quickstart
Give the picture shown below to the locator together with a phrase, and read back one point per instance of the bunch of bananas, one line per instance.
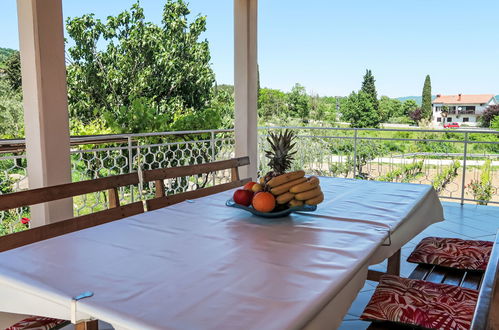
(295, 189)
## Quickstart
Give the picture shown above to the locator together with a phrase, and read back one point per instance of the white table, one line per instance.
(202, 265)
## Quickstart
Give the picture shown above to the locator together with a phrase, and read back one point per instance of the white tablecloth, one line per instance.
(202, 265)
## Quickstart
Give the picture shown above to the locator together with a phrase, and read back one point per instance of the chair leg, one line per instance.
(393, 267)
(88, 325)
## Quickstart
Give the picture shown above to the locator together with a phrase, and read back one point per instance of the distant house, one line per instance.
(461, 108)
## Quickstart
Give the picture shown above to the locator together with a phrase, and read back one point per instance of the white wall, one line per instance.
(458, 118)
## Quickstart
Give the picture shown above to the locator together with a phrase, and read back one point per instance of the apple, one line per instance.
(243, 197)
(249, 185)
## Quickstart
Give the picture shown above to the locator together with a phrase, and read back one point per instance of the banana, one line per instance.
(284, 198)
(286, 177)
(262, 180)
(316, 200)
(283, 188)
(306, 195)
(294, 203)
(310, 184)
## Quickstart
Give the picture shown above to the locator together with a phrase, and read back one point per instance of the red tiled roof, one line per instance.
(463, 98)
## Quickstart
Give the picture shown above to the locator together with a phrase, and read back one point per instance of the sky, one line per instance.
(326, 45)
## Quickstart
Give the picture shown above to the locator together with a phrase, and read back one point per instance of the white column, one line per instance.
(246, 82)
(45, 103)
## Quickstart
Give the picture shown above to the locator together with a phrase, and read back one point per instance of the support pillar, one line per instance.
(43, 69)
(246, 83)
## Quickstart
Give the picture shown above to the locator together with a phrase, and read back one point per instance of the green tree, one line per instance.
(359, 111)
(11, 111)
(13, 70)
(426, 103)
(369, 87)
(408, 107)
(273, 104)
(147, 76)
(389, 108)
(495, 123)
(299, 105)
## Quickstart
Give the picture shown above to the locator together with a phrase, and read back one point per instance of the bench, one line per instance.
(486, 314)
(160, 175)
(115, 210)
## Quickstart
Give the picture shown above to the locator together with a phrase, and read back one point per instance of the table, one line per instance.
(202, 265)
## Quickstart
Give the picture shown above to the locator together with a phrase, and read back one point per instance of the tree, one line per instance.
(408, 107)
(273, 104)
(389, 108)
(417, 115)
(488, 115)
(426, 103)
(13, 70)
(369, 87)
(147, 76)
(11, 111)
(298, 100)
(359, 111)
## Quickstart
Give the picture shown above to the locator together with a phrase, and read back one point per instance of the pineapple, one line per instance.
(280, 154)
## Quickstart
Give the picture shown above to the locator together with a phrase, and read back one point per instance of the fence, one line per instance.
(461, 165)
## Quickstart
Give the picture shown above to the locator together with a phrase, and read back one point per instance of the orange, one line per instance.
(264, 202)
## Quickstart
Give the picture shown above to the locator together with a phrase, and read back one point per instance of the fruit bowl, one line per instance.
(273, 214)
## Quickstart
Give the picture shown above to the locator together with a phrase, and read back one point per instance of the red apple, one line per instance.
(249, 185)
(243, 197)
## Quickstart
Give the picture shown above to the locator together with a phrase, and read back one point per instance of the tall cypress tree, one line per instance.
(426, 105)
(369, 88)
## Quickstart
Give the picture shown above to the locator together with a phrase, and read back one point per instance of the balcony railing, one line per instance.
(450, 161)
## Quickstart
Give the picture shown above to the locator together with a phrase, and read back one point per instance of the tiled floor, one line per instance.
(467, 221)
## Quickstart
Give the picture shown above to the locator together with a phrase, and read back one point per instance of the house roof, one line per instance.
(463, 99)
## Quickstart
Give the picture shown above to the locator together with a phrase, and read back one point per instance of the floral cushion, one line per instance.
(37, 323)
(420, 303)
(452, 252)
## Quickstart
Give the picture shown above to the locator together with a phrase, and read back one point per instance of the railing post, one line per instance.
(355, 153)
(212, 142)
(130, 165)
(464, 166)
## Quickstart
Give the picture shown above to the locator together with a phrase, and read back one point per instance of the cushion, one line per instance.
(452, 252)
(37, 323)
(420, 303)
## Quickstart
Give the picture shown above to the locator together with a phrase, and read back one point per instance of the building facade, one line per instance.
(462, 109)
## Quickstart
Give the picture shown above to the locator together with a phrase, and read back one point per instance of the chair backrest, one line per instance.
(487, 308)
(53, 193)
(159, 175)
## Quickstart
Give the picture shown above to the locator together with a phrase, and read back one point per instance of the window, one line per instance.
(466, 119)
(449, 119)
(439, 119)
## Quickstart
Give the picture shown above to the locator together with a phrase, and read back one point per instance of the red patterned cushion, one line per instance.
(420, 303)
(452, 252)
(37, 323)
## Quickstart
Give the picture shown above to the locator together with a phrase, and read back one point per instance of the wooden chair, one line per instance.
(486, 314)
(53, 193)
(159, 175)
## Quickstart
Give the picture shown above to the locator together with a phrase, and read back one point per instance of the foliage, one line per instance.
(11, 221)
(403, 174)
(495, 123)
(148, 75)
(359, 111)
(482, 190)
(5, 53)
(489, 115)
(13, 71)
(426, 101)
(299, 106)
(408, 107)
(389, 108)
(446, 176)
(11, 112)
(272, 104)
(416, 115)
(369, 87)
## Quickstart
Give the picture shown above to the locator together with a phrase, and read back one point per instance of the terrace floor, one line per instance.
(467, 221)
